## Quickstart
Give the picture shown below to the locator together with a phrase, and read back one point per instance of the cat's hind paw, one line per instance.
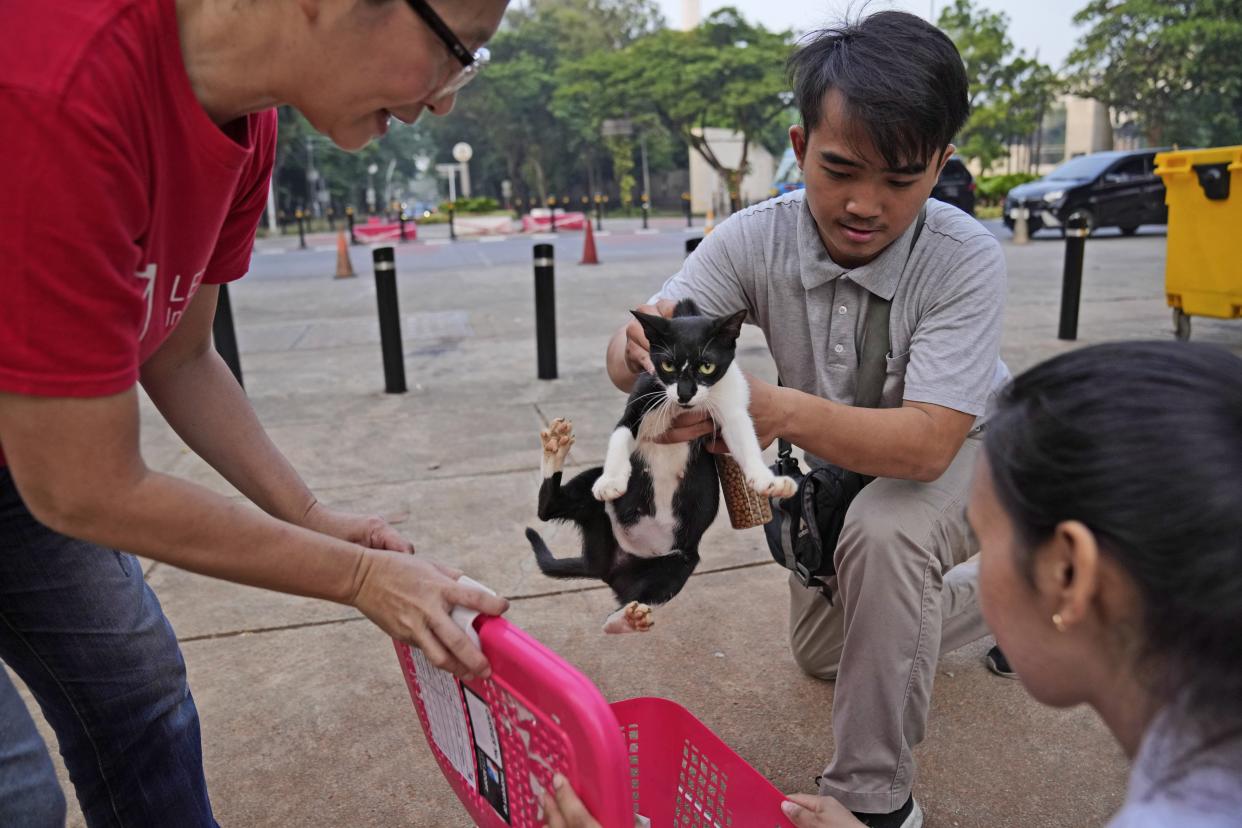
(633, 617)
(556, 440)
(609, 487)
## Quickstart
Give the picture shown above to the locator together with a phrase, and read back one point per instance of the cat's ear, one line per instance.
(729, 327)
(655, 327)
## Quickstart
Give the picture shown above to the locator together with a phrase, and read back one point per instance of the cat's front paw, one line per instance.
(610, 487)
(769, 485)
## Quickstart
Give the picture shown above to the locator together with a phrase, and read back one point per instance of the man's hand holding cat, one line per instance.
(410, 598)
(766, 411)
(637, 349)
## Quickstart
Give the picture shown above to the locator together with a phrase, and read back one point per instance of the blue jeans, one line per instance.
(81, 628)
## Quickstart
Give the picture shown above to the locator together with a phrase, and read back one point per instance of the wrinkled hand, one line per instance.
(410, 598)
(637, 348)
(371, 531)
(807, 811)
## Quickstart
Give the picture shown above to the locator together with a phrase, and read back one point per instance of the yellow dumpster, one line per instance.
(1203, 269)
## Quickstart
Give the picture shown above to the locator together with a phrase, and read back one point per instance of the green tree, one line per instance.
(726, 73)
(1008, 91)
(1177, 66)
(507, 114)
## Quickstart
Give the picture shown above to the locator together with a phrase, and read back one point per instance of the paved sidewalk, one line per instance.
(306, 720)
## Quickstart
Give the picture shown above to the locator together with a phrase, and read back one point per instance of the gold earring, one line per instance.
(1058, 622)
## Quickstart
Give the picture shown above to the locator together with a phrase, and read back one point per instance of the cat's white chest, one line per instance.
(653, 535)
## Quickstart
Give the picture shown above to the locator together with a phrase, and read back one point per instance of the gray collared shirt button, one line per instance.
(842, 309)
(839, 348)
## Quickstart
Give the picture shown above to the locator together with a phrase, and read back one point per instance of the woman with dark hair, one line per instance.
(1108, 509)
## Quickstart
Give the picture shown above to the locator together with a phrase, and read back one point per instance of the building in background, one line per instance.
(708, 188)
(1073, 126)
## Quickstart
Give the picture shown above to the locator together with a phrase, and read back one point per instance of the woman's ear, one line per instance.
(1067, 574)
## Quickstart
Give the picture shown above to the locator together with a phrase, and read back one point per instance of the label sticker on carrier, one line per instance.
(492, 783)
(442, 701)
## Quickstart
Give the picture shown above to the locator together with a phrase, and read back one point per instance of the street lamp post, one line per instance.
(462, 153)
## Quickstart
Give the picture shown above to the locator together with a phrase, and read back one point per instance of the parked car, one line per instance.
(788, 175)
(956, 186)
(1108, 189)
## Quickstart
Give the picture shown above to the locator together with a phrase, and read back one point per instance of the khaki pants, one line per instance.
(905, 593)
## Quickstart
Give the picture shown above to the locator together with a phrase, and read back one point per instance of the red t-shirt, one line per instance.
(118, 194)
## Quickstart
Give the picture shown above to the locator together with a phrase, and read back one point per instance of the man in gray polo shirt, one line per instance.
(880, 101)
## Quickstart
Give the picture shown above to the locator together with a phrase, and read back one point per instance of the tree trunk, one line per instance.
(540, 183)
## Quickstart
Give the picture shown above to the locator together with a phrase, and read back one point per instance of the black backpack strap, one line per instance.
(873, 361)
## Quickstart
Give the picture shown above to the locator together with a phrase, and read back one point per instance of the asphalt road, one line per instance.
(622, 240)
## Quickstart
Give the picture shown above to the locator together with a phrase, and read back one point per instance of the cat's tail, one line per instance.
(686, 307)
(551, 565)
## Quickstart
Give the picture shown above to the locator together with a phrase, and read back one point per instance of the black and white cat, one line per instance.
(643, 513)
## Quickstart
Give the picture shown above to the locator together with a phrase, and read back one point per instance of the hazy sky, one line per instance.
(1046, 25)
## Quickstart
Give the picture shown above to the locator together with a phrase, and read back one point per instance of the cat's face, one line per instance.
(691, 353)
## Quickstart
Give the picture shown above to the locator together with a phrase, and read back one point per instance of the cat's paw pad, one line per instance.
(638, 617)
(610, 488)
(769, 485)
(782, 487)
(633, 617)
(556, 440)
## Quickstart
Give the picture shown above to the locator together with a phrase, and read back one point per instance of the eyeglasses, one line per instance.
(470, 63)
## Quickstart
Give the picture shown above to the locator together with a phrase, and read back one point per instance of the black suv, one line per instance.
(1108, 189)
(956, 186)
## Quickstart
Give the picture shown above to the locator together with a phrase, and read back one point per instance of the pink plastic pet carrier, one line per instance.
(500, 740)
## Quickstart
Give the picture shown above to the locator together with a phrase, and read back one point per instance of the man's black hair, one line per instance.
(900, 76)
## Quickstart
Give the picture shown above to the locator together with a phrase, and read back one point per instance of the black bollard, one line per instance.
(1071, 281)
(331, 220)
(224, 336)
(452, 229)
(301, 231)
(646, 210)
(389, 319)
(401, 219)
(545, 312)
(552, 217)
(599, 212)
(691, 244)
(685, 199)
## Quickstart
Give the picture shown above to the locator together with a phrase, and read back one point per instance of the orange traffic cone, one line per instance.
(588, 245)
(344, 270)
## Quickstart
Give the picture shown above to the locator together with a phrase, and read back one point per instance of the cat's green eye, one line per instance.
(707, 368)
(667, 367)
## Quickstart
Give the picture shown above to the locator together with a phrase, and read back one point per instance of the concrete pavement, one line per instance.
(306, 720)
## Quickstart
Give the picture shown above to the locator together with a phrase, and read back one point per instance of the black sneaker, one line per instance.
(909, 815)
(997, 663)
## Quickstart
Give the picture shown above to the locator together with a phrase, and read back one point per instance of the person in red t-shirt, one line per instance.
(139, 140)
